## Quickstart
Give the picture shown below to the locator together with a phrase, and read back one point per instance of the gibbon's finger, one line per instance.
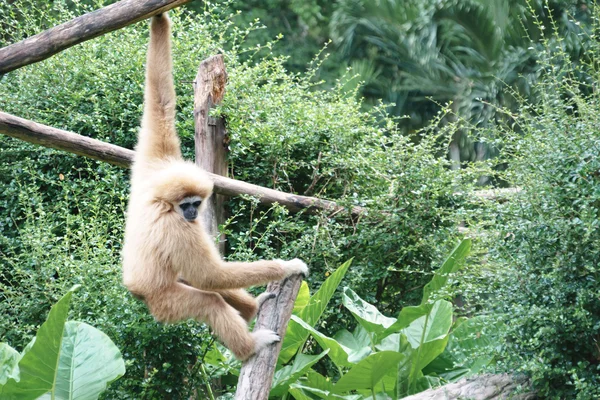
(295, 266)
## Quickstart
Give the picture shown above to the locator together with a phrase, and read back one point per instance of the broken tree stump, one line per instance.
(210, 135)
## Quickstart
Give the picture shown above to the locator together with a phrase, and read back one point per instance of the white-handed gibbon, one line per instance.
(169, 260)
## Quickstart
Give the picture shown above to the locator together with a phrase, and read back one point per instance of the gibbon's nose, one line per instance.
(190, 213)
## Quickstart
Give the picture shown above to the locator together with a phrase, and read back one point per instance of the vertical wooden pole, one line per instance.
(210, 134)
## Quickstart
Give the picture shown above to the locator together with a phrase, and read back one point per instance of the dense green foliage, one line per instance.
(64, 215)
(540, 275)
(534, 273)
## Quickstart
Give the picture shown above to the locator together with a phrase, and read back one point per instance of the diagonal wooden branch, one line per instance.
(256, 375)
(80, 29)
(59, 139)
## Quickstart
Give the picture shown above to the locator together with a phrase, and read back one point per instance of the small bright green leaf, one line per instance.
(367, 373)
(451, 265)
(295, 335)
(9, 358)
(290, 374)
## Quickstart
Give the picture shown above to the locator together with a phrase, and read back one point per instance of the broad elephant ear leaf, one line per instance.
(454, 261)
(310, 313)
(66, 360)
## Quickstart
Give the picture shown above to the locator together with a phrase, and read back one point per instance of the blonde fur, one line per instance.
(168, 261)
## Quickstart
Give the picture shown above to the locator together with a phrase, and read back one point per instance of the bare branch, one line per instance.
(73, 143)
(88, 26)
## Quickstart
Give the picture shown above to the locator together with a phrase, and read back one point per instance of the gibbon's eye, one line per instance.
(197, 204)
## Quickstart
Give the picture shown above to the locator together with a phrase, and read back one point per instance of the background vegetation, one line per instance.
(519, 79)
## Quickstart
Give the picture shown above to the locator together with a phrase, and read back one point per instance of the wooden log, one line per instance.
(256, 375)
(54, 138)
(482, 387)
(73, 143)
(210, 135)
(80, 29)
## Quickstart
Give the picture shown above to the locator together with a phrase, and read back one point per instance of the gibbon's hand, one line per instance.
(293, 267)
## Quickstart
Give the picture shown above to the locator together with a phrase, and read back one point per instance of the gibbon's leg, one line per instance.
(158, 137)
(244, 302)
(179, 302)
(238, 275)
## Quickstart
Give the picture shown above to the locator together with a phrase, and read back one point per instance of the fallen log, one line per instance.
(482, 387)
(85, 27)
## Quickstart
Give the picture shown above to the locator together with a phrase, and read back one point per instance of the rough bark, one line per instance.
(256, 375)
(47, 136)
(483, 387)
(71, 142)
(80, 29)
(210, 134)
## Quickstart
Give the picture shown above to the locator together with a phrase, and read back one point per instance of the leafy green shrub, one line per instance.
(540, 276)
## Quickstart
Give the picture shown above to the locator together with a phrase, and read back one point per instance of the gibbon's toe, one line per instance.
(261, 298)
(263, 338)
(295, 266)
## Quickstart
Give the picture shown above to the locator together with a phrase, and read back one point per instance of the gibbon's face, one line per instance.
(188, 207)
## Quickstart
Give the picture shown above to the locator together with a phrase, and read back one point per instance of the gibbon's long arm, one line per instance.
(158, 138)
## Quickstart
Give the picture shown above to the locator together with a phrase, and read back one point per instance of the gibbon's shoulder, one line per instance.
(178, 179)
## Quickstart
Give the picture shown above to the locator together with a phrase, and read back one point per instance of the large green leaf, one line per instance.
(302, 298)
(409, 314)
(367, 315)
(88, 362)
(338, 353)
(39, 365)
(467, 351)
(367, 373)
(290, 373)
(69, 360)
(295, 335)
(9, 358)
(451, 265)
(302, 392)
(435, 325)
(421, 342)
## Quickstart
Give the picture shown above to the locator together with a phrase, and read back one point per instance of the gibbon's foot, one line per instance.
(293, 267)
(263, 338)
(261, 298)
